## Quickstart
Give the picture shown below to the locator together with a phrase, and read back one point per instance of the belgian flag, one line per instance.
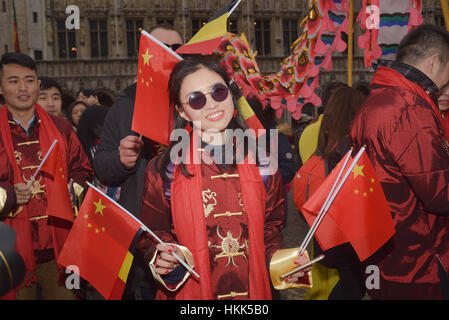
(207, 39)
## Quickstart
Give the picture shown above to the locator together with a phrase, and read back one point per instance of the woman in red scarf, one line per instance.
(219, 215)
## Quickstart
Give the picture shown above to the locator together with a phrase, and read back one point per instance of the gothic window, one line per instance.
(290, 32)
(133, 29)
(66, 41)
(263, 36)
(232, 26)
(98, 38)
(197, 24)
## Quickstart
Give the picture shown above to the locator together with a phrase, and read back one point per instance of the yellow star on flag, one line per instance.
(358, 171)
(146, 58)
(99, 207)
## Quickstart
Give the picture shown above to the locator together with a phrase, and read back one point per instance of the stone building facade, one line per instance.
(101, 53)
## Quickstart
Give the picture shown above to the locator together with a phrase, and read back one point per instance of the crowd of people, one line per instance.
(225, 218)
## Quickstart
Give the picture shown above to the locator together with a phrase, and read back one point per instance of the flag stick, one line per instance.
(350, 41)
(145, 228)
(310, 233)
(343, 180)
(146, 34)
(41, 164)
(234, 7)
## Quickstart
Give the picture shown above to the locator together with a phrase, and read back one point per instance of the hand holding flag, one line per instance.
(102, 244)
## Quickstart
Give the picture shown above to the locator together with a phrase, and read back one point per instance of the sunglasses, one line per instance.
(197, 99)
(174, 46)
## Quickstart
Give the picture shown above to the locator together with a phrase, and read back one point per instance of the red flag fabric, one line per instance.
(152, 116)
(359, 213)
(100, 244)
(58, 200)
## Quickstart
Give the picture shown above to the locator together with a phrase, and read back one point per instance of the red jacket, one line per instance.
(405, 141)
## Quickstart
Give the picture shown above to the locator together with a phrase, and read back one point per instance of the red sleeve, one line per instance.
(421, 152)
(7, 194)
(274, 215)
(406, 143)
(80, 169)
(155, 213)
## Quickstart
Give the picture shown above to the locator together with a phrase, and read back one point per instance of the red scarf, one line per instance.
(389, 77)
(48, 132)
(190, 225)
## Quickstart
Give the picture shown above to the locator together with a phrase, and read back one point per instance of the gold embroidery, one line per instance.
(18, 156)
(232, 294)
(36, 187)
(39, 155)
(27, 143)
(30, 167)
(227, 214)
(38, 218)
(209, 207)
(225, 175)
(3, 198)
(241, 201)
(230, 247)
(14, 214)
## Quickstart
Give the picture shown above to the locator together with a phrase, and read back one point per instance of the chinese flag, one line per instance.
(58, 200)
(100, 244)
(151, 111)
(359, 214)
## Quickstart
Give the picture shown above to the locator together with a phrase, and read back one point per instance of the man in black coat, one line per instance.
(121, 160)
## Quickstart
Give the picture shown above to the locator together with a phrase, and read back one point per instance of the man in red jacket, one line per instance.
(26, 133)
(402, 129)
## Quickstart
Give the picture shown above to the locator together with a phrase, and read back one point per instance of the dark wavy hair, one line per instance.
(338, 115)
(184, 68)
(68, 110)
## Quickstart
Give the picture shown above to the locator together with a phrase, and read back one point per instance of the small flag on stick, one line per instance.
(207, 39)
(357, 212)
(59, 204)
(100, 244)
(156, 62)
